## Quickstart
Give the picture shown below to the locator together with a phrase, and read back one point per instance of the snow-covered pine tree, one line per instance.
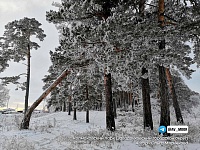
(83, 17)
(123, 31)
(4, 96)
(18, 45)
(3, 58)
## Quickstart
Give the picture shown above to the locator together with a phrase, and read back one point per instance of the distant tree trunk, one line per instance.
(110, 121)
(26, 120)
(75, 118)
(100, 103)
(124, 100)
(114, 109)
(120, 99)
(174, 97)
(133, 106)
(128, 98)
(87, 108)
(64, 106)
(69, 105)
(147, 117)
(27, 78)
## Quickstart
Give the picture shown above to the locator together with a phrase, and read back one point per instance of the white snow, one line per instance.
(58, 131)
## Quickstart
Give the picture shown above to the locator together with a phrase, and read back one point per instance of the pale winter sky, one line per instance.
(11, 10)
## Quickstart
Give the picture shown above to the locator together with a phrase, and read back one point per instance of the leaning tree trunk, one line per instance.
(27, 79)
(147, 115)
(27, 116)
(110, 121)
(87, 107)
(174, 97)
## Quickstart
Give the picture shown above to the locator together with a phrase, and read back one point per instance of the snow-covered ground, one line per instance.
(58, 131)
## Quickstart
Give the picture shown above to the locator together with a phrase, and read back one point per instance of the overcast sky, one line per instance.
(16, 9)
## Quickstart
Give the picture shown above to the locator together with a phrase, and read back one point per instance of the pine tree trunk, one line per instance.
(124, 100)
(26, 120)
(27, 79)
(87, 116)
(133, 106)
(74, 118)
(69, 105)
(100, 105)
(87, 109)
(120, 99)
(64, 106)
(174, 97)
(165, 113)
(114, 109)
(147, 116)
(110, 121)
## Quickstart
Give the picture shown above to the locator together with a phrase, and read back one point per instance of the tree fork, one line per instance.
(26, 120)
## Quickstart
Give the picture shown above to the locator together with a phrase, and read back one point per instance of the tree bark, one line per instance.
(27, 116)
(27, 79)
(165, 113)
(110, 121)
(174, 97)
(147, 115)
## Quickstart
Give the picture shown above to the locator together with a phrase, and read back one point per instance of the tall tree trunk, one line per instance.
(27, 79)
(165, 113)
(174, 97)
(147, 118)
(110, 121)
(147, 115)
(87, 108)
(27, 116)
